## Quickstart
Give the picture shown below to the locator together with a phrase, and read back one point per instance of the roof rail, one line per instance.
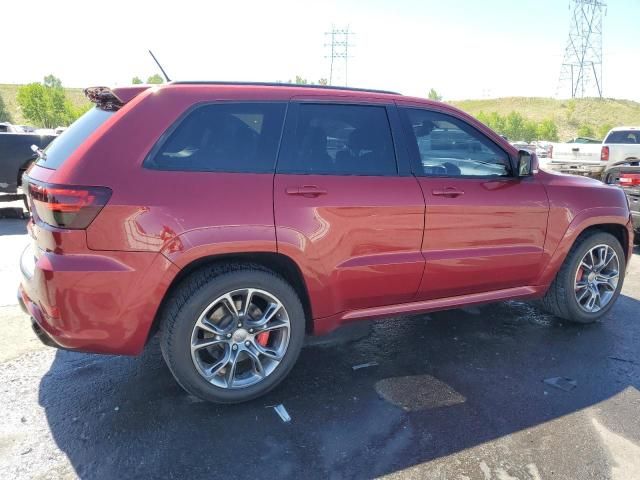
(274, 84)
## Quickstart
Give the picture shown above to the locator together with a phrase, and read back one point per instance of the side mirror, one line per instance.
(527, 163)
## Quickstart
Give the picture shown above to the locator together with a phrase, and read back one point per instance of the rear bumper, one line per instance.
(101, 302)
(591, 170)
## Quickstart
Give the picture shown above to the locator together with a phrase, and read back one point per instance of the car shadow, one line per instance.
(443, 383)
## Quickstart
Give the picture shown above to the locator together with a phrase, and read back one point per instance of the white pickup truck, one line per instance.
(621, 146)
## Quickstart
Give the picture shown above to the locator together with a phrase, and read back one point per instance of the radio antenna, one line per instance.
(159, 66)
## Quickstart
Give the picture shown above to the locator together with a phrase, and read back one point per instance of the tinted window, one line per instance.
(341, 140)
(449, 147)
(223, 137)
(69, 140)
(624, 136)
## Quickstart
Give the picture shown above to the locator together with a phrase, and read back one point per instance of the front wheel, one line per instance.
(589, 281)
(232, 334)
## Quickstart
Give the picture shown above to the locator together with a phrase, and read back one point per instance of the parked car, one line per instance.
(628, 178)
(621, 146)
(542, 149)
(236, 218)
(16, 155)
(585, 140)
(6, 127)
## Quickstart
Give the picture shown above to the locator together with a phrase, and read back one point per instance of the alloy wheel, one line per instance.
(240, 338)
(597, 278)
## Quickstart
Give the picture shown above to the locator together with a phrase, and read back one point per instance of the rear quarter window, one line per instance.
(222, 137)
(68, 141)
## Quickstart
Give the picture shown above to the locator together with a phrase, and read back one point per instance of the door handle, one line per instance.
(306, 191)
(447, 192)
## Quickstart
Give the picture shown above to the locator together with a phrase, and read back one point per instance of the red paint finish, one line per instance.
(326, 325)
(358, 245)
(488, 238)
(365, 246)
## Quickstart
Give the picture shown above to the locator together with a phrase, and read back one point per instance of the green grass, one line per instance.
(567, 114)
(10, 91)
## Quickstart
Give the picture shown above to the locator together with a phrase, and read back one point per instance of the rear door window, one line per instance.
(222, 137)
(336, 139)
(68, 141)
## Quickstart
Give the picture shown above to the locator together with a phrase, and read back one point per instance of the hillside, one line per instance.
(567, 114)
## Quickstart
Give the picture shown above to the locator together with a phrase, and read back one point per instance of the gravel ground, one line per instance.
(454, 395)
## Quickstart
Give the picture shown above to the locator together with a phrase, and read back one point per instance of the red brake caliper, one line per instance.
(263, 338)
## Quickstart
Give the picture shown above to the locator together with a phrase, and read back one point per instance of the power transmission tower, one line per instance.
(582, 63)
(339, 50)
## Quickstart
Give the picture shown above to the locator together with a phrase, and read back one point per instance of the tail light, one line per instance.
(604, 154)
(67, 206)
(629, 179)
(550, 154)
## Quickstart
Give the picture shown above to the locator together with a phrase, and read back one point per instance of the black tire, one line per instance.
(560, 299)
(190, 299)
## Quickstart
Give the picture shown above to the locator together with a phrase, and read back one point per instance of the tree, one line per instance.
(514, 126)
(529, 131)
(585, 131)
(45, 104)
(300, 80)
(547, 130)
(603, 130)
(493, 120)
(5, 116)
(433, 95)
(52, 81)
(155, 79)
(136, 80)
(323, 81)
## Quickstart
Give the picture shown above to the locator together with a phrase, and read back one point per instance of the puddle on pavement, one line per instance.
(418, 392)
(531, 314)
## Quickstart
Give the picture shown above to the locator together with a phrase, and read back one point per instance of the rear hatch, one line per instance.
(58, 208)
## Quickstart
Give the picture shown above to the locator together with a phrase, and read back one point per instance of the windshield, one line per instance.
(67, 142)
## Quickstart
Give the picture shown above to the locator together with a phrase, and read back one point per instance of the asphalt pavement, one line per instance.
(452, 395)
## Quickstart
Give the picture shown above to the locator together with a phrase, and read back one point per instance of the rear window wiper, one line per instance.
(39, 152)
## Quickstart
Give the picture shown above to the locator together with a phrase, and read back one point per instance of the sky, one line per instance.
(462, 48)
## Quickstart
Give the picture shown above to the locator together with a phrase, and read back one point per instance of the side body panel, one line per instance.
(489, 238)
(357, 246)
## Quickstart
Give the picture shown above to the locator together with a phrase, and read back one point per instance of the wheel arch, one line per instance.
(616, 229)
(609, 220)
(276, 262)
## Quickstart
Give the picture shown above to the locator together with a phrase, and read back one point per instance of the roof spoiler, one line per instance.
(112, 99)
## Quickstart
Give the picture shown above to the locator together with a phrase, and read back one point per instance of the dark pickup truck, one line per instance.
(16, 156)
(628, 178)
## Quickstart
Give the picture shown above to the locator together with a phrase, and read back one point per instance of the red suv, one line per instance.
(236, 218)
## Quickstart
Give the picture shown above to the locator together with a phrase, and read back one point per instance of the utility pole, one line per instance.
(581, 73)
(339, 50)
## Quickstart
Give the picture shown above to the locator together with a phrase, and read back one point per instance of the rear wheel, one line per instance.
(589, 280)
(231, 334)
